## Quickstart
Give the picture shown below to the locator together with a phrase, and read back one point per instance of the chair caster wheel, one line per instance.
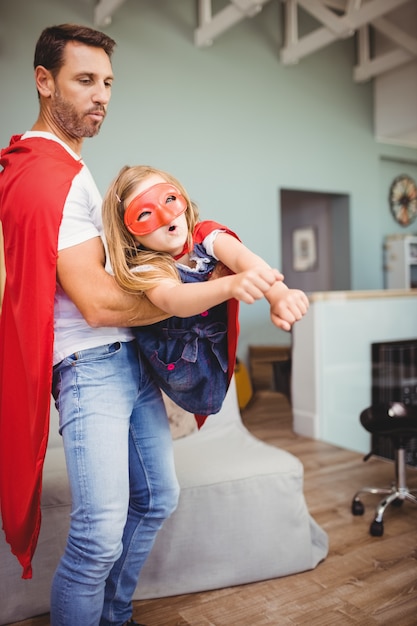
(357, 507)
(376, 529)
(397, 502)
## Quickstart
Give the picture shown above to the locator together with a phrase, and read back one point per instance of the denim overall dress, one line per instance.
(188, 357)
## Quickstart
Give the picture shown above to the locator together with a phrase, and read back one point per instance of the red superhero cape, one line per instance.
(34, 184)
(201, 231)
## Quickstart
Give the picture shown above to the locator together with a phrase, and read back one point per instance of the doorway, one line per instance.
(315, 240)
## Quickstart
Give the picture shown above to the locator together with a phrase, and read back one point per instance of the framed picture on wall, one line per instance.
(304, 249)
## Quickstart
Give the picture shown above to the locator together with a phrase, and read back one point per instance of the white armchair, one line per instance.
(241, 518)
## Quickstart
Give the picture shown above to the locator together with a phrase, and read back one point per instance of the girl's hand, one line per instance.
(287, 306)
(251, 285)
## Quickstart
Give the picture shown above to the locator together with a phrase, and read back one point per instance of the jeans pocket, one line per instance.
(94, 354)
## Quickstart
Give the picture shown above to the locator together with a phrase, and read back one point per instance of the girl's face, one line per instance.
(170, 237)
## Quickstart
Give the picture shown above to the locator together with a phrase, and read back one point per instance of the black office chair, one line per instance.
(398, 422)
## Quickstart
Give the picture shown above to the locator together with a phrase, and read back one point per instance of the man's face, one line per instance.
(82, 90)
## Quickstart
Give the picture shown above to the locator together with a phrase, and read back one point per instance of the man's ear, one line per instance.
(44, 81)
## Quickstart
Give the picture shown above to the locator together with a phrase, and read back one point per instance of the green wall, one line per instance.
(230, 121)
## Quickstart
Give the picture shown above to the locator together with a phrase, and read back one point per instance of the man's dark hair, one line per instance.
(50, 47)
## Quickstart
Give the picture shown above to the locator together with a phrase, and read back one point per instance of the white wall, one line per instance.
(230, 121)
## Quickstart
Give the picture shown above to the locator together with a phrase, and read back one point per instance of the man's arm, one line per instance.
(81, 274)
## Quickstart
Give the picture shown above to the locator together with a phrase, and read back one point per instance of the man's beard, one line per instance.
(72, 122)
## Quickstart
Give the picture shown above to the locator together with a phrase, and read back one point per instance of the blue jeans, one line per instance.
(120, 465)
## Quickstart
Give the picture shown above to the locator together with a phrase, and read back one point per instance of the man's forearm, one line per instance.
(123, 309)
(141, 313)
(81, 273)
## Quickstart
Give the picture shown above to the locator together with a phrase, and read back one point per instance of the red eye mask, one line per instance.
(158, 206)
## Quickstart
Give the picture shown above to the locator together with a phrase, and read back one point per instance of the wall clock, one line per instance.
(403, 199)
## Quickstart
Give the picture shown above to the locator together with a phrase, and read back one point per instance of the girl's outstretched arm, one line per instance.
(287, 305)
(185, 299)
(236, 255)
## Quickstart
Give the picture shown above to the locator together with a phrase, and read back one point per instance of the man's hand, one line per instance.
(220, 270)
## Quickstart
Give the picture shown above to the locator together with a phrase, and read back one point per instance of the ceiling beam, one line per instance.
(405, 51)
(340, 28)
(338, 18)
(335, 26)
(103, 11)
(368, 67)
(380, 64)
(396, 35)
(211, 26)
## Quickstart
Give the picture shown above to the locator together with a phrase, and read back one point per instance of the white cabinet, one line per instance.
(400, 262)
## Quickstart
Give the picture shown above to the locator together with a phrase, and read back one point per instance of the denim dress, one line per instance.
(188, 357)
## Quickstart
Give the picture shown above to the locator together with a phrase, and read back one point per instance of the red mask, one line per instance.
(161, 203)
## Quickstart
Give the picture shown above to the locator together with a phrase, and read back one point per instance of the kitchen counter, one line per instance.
(331, 359)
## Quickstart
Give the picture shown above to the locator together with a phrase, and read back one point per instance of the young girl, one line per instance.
(157, 246)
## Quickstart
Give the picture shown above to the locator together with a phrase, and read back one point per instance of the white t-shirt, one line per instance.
(81, 221)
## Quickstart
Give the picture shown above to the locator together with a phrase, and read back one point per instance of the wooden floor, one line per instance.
(365, 580)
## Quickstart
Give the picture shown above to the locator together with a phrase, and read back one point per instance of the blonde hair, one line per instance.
(124, 251)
